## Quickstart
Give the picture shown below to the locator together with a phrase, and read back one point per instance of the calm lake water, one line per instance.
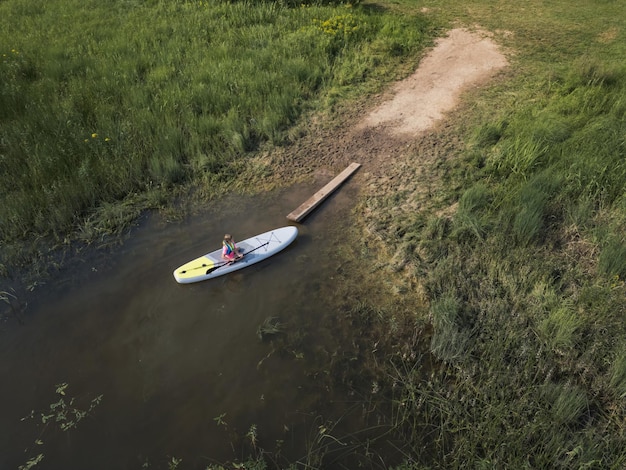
(181, 368)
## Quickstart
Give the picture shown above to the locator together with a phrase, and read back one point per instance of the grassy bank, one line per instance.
(108, 108)
(522, 253)
(519, 245)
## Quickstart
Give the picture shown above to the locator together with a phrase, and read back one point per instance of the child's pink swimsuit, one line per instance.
(229, 250)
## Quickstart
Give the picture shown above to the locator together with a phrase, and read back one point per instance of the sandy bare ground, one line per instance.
(458, 61)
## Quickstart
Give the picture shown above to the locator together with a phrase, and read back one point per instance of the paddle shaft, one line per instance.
(210, 270)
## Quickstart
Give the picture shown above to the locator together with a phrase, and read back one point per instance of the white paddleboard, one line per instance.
(254, 249)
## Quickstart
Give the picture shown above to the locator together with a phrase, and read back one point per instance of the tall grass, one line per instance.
(470, 215)
(534, 367)
(618, 374)
(451, 334)
(613, 258)
(102, 100)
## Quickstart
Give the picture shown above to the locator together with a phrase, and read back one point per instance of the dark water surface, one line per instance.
(170, 359)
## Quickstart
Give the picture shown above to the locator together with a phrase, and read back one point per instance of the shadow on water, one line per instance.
(182, 370)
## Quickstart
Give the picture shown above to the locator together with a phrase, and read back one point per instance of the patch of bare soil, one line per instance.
(459, 61)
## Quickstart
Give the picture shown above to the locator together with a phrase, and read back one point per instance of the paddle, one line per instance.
(210, 270)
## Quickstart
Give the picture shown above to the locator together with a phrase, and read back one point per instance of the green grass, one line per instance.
(451, 334)
(526, 277)
(101, 101)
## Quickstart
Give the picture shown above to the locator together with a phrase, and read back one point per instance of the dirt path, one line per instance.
(458, 61)
(376, 137)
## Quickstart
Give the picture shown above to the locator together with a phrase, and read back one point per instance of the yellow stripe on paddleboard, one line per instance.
(195, 268)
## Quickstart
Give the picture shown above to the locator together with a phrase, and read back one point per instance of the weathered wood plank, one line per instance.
(315, 200)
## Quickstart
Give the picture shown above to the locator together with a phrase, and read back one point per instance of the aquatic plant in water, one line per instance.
(270, 326)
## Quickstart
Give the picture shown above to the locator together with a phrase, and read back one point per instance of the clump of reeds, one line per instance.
(271, 326)
(613, 259)
(451, 335)
(617, 374)
(469, 218)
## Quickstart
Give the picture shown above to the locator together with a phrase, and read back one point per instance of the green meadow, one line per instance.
(109, 108)
(525, 275)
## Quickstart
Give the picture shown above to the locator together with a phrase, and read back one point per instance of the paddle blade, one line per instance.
(210, 270)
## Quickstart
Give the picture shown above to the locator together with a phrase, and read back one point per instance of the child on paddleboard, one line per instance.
(230, 252)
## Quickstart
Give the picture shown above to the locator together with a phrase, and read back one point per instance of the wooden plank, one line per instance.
(315, 200)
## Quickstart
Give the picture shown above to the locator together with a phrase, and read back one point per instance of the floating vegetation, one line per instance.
(63, 415)
(271, 326)
(64, 412)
